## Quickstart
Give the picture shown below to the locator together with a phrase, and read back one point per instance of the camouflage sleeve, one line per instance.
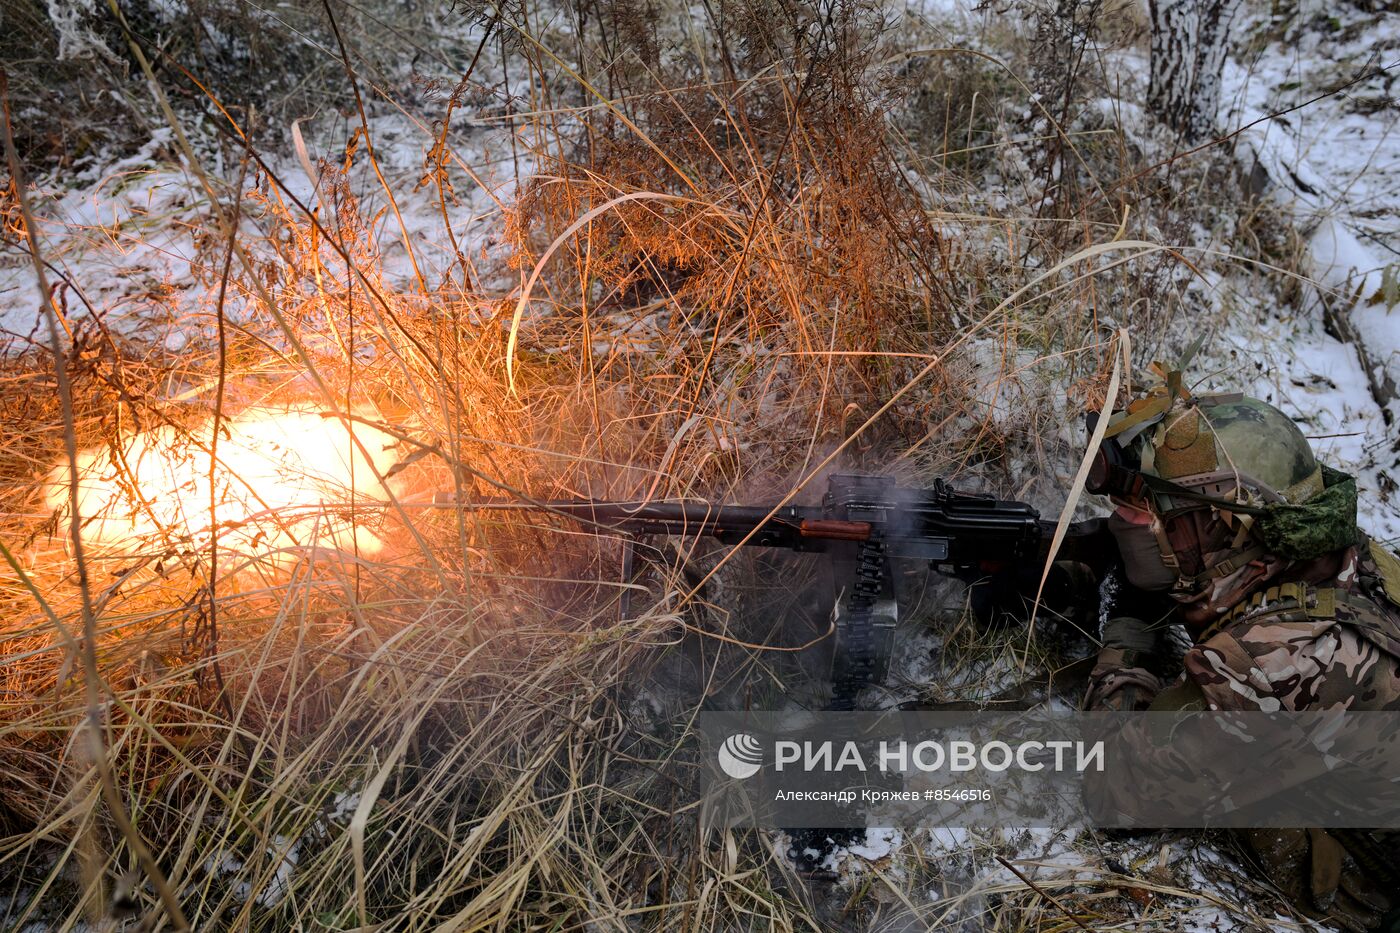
(1268, 665)
(1128, 673)
(1118, 684)
(1316, 664)
(1161, 764)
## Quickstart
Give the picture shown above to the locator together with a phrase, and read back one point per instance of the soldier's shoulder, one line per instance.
(1377, 574)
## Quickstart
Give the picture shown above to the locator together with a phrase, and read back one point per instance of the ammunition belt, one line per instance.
(1283, 602)
(858, 649)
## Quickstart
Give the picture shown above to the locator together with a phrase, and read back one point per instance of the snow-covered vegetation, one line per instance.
(620, 250)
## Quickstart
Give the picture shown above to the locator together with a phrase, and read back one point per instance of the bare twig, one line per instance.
(96, 744)
(1043, 893)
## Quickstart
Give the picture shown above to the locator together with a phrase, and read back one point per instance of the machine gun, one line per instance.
(863, 524)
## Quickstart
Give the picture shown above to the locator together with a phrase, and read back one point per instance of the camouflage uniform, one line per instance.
(1301, 643)
(1321, 636)
(1289, 606)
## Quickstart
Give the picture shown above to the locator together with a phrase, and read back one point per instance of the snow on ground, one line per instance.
(118, 239)
(955, 875)
(130, 236)
(1333, 170)
(1330, 158)
(1332, 167)
(135, 241)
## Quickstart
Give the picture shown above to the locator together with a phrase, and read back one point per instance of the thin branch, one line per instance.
(97, 748)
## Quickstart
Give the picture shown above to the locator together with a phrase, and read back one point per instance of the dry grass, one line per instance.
(724, 285)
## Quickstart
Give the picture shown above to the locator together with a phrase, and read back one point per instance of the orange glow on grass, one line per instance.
(283, 484)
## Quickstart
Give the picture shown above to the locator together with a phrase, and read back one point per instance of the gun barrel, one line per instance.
(939, 524)
(798, 527)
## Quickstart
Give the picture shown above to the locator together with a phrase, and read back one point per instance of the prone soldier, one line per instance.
(1223, 510)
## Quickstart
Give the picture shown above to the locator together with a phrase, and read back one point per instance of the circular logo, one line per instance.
(740, 756)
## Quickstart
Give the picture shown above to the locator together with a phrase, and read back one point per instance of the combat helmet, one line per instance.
(1226, 479)
(1223, 444)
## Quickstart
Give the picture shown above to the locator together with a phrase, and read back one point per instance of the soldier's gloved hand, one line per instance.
(1008, 592)
(1318, 876)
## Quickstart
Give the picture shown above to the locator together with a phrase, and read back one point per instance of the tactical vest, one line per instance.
(1380, 572)
(1376, 599)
